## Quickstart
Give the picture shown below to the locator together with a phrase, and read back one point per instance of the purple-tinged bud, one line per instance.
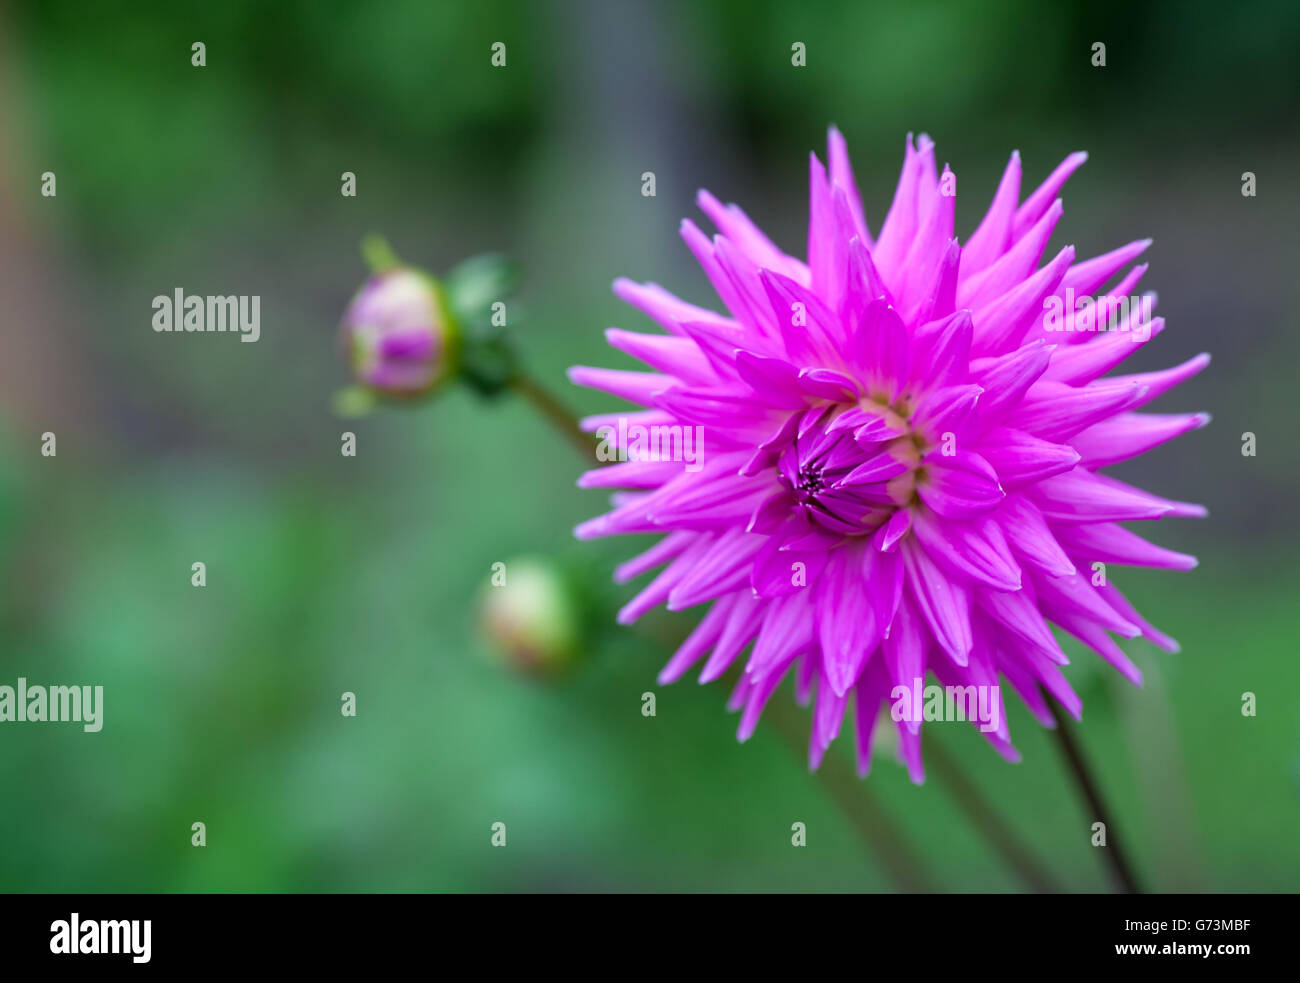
(530, 617)
(398, 334)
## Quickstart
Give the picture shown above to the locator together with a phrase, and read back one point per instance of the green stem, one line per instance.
(555, 413)
(993, 828)
(1091, 795)
(874, 825)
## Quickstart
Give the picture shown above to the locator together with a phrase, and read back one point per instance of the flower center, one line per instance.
(848, 468)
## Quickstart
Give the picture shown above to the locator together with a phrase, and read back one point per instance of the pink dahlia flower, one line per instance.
(886, 461)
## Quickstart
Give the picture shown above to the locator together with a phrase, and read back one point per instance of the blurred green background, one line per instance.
(329, 574)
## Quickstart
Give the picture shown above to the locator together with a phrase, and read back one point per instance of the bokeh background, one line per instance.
(329, 574)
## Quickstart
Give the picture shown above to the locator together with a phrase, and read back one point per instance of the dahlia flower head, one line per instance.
(900, 461)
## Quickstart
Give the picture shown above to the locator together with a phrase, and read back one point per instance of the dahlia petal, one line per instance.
(703, 503)
(939, 298)
(847, 625)
(626, 518)
(635, 387)
(660, 305)
(771, 514)
(698, 641)
(867, 696)
(743, 621)
(871, 423)
(1122, 292)
(657, 591)
(909, 752)
(1079, 364)
(863, 285)
(733, 223)
(993, 236)
(1087, 276)
(1016, 264)
(813, 419)
(1057, 412)
(1007, 378)
(754, 704)
(759, 694)
(706, 256)
(1049, 675)
(646, 418)
(828, 717)
(1041, 200)
(1131, 434)
(739, 694)
(975, 550)
(841, 174)
(821, 229)
(631, 474)
(903, 653)
(774, 574)
(1018, 614)
(900, 223)
(657, 555)
(1032, 539)
(800, 533)
(1106, 542)
(933, 235)
(775, 378)
(786, 632)
(943, 604)
(718, 342)
(746, 279)
(1081, 496)
(948, 410)
(810, 329)
(1006, 321)
(1110, 593)
(723, 568)
(1022, 459)
(970, 681)
(943, 357)
(828, 384)
(879, 428)
(1174, 509)
(1076, 600)
(875, 470)
(894, 530)
(669, 354)
(734, 412)
(1027, 689)
(960, 486)
(879, 347)
(1101, 643)
(1159, 383)
(805, 673)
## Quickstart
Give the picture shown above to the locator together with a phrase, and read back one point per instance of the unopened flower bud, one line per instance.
(531, 619)
(398, 334)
